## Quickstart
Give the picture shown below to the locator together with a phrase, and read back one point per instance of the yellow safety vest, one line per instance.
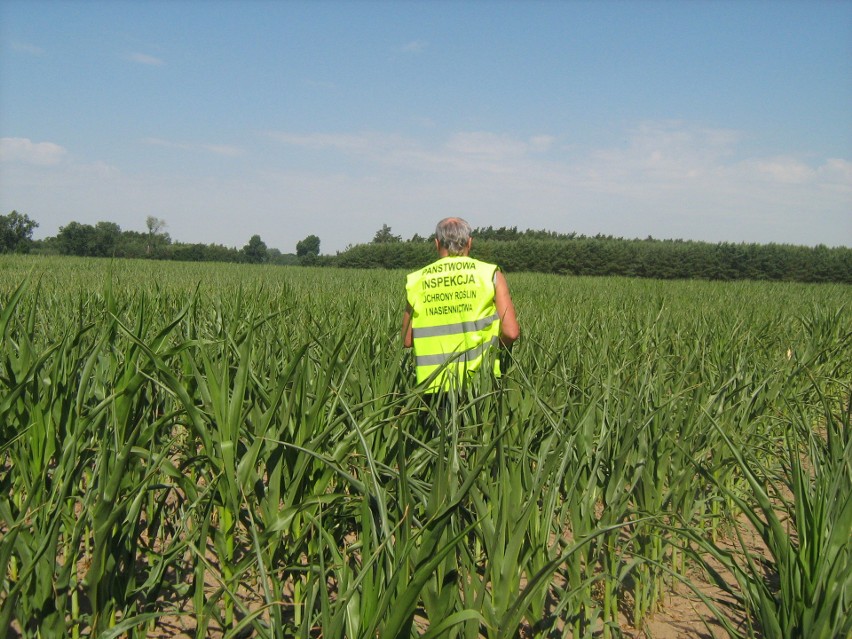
(454, 320)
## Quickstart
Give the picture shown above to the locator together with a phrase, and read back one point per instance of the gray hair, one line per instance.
(453, 234)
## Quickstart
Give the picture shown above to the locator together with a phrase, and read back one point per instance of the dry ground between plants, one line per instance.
(681, 613)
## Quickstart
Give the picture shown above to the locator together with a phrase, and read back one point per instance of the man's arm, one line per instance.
(509, 329)
(406, 326)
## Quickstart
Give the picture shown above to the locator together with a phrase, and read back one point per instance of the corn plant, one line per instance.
(243, 449)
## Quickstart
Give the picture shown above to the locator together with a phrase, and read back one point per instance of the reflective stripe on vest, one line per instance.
(451, 329)
(466, 356)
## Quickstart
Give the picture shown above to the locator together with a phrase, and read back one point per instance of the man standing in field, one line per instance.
(458, 309)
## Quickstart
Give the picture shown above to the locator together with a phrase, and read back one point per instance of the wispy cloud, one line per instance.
(223, 149)
(423, 122)
(475, 148)
(836, 174)
(415, 46)
(474, 155)
(216, 149)
(144, 58)
(26, 47)
(541, 143)
(668, 179)
(24, 150)
(161, 142)
(662, 156)
(486, 144)
(355, 143)
(780, 170)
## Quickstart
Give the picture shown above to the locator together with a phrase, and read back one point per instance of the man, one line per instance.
(458, 309)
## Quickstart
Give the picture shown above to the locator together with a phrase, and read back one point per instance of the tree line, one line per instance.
(658, 259)
(514, 250)
(107, 239)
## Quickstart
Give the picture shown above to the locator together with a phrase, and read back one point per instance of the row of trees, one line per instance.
(514, 250)
(659, 259)
(107, 239)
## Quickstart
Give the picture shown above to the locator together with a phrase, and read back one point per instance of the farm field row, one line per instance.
(235, 450)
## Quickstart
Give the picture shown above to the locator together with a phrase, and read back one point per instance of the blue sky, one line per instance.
(714, 121)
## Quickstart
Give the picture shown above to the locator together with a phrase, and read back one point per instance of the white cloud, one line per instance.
(415, 46)
(657, 161)
(98, 170)
(779, 170)
(668, 180)
(26, 47)
(836, 174)
(423, 122)
(144, 58)
(163, 143)
(476, 152)
(664, 152)
(26, 151)
(368, 143)
(216, 149)
(541, 143)
(223, 149)
(482, 143)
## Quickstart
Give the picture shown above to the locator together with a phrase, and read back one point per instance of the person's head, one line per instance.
(453, 236)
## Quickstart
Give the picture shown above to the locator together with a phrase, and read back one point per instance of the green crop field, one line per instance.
(225, 450)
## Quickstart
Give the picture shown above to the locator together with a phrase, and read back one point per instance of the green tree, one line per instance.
(385, 236)
(255, 252)
(277, 257)
(76, 239)
(310, 245)
(133, 244)
(106, 239)
(16, 232)
(154, 224)
(156, 237)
